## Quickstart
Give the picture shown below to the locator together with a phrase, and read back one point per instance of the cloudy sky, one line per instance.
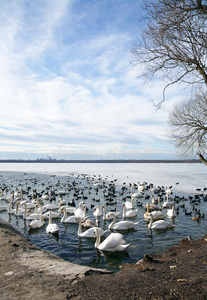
(68, 89)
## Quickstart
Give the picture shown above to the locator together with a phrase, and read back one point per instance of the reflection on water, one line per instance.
(78, 250)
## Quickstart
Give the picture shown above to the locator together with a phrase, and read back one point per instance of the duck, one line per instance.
(105, 216)
(89, 232)
(114, 242)
(171, 212)
(52, 227)
(129, 213)
(160, 224)
(121, 225)
(37, 223)
(157, 215)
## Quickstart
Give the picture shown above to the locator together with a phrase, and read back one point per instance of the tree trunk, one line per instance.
(203, 160)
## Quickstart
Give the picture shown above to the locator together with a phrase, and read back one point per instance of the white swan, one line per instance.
(53, 214)
(79, 212)
(128, 204)
(166, 204)
(3, 207)
(89, 232)
(105, 216)
(37, 223)
(18, 211)
(97, 211)
(114, 242)
(52, 227)
(129, 213)
(50, 206)
(122, 225)
(160, 224)
(136, 195)
(157, 215)
(35, 215)
(65, 218)
(171, 212)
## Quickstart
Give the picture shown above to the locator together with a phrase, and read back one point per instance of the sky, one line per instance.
(68, 89)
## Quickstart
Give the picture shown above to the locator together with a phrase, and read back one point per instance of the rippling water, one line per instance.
(185, 179)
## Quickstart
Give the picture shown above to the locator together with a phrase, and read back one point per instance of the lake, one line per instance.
(188, 183)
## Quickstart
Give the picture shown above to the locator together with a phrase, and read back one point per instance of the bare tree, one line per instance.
(173, 44)
(188, 125)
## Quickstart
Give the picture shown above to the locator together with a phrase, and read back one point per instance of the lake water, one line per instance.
(184, 178)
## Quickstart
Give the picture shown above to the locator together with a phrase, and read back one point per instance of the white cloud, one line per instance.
(65, 93)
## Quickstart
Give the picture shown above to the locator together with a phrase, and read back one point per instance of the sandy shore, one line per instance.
(30, 273)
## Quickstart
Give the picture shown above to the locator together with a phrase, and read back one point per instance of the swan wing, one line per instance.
(112, 241)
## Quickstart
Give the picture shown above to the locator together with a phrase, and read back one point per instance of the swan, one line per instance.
(65, 219)
(89, 232)
(97, 211)
(122, 225)
(50, 206)
(52, 227)
(136, 195)
(36, 215)
(129, 213)
(171, 212)
(3, 207)
(53, 214)
(114, 242)
(87, 223)
(79, 212)
(157, 215)
(166, 204)
(128, 204)
(168, 191)
(105, 216)
(69, 210)
(160, 224)
(18, 211)
(37, 223)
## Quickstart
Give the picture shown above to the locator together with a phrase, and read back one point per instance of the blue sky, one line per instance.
(68, 89)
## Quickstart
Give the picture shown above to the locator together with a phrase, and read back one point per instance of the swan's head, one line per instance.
(60, 200)
(111, 214)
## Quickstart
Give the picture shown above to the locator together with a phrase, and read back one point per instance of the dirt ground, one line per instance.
(30, 273)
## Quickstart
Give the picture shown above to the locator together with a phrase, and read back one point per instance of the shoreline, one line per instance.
(27, 271)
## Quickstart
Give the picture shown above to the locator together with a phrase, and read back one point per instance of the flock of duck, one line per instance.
(104, 200)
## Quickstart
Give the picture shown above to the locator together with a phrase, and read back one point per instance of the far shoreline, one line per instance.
(98, 161)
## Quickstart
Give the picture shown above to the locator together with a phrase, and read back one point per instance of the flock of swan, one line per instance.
(116, 207)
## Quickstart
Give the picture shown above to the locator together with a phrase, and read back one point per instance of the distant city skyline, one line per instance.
(68, 89)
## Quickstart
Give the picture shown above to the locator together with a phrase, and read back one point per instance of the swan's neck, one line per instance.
(40, 206)
(104, 212)
(25, 210)
(10, 206)
(147, 208)
(79, 226)
(50, 219)
(150, 223)
(124, 211)
(98, 239)
(112, 223)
